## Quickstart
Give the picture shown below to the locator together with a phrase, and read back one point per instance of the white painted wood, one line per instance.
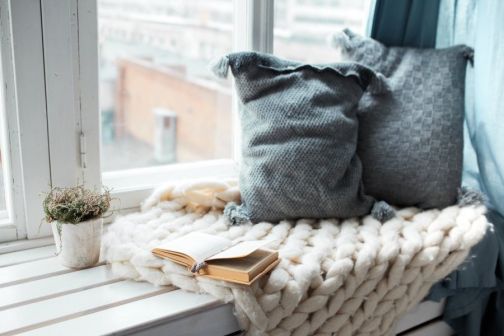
(25, 244)
(59, 24)
(27, 255)
(14, 225)
(423, 312)
(71, 62)
(55, 286)
(25, 95)
(211, 321)
(437, 328)
(38, 269)
(8, 232)
(254, 22)
(88, 88)
(49, 311)
(43, 298)
(173, 313)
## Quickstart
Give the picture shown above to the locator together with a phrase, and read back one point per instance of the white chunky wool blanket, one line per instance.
(349, 277)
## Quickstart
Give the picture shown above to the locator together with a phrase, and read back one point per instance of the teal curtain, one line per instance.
(406, 23)
(475, 303)
(475, 292)
(480, 24)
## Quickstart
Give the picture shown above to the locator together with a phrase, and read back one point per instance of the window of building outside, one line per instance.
(303, 27)
(159, 103)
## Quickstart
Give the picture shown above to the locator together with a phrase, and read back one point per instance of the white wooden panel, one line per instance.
(58, 309)
(25, 244)
(31, 131)
(55, 286)
(212, 321)
(59, 25)
(11, 161)
(88, 88)
(8, 227)
(8, 232)
(424, 312)
(151, 313)
(437, 328)
(12, 275)
(26, 255)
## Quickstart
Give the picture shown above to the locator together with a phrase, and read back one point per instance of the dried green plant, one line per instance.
(75, 204)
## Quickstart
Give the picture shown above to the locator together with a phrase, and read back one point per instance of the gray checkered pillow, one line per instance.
(299, 131)
(410, 142)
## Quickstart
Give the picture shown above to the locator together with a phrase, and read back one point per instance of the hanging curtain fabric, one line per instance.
(475, 293)
(480, 24)
(406, 23)
(475, 304)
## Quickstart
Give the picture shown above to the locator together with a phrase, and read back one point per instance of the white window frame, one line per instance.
(25, 140)
(71, 64)
(50, 72)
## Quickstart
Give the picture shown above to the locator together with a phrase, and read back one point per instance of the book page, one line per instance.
(197, 245)
(241, 249)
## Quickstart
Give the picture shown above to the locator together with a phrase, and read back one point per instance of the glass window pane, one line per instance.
(303, 27)
(159, 103)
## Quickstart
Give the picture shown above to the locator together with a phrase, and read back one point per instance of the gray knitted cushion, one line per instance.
(410, 142)
(299, 131)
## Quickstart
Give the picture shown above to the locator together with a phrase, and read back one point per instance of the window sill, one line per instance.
(24, 244)
(131, 187)
(49, 299)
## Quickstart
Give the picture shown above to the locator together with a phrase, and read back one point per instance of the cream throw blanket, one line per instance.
(350, 277)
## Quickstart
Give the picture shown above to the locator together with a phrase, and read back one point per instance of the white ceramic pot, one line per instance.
(78, 245)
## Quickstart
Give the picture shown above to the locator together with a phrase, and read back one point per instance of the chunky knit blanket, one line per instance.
(336, 277)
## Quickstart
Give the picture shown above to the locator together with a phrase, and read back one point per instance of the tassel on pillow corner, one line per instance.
(219, 67)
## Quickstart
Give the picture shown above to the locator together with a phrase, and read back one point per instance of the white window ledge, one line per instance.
(41, 297)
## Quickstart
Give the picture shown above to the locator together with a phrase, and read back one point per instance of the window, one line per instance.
(303, 28)
(118, 92)
(23, 132)
(159, 103)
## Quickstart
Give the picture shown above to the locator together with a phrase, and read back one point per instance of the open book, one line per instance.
(216, 257)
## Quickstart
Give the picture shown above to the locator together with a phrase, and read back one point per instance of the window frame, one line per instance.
(71, 62)
(51, 66)
(25, 138)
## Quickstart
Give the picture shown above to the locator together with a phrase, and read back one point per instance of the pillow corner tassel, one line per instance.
(378, 84)
(220, 67)
(469, 55)
(236, 214)
(382, 211)
(467, 197)
(342, 39)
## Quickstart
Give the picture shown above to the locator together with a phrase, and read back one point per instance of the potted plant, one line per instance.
(76, 215)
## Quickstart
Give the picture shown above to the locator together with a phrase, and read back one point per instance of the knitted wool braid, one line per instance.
(350, 277)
